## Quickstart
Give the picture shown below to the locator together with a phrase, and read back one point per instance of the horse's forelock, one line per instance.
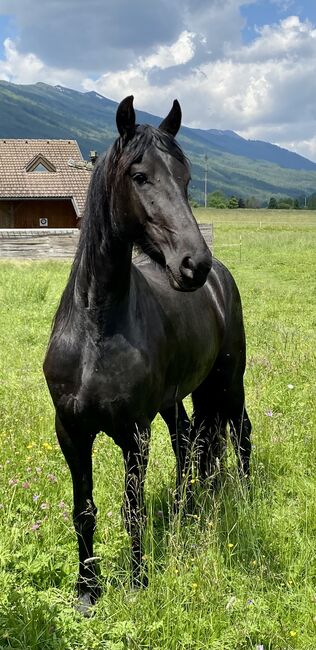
(123, 155)
(133, 151)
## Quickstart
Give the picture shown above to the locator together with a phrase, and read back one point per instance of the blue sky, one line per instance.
(246, 65)
(265, 12)
(7, 30)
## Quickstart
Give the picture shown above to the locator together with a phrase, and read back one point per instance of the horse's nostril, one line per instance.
(194, 270)
(188, 267)
(188, 263)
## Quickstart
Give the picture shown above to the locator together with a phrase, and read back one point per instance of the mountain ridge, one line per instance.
(235, 165)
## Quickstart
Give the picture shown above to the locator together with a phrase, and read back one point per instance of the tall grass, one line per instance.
(239, 574)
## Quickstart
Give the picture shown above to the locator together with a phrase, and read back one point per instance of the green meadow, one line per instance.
(240, 573)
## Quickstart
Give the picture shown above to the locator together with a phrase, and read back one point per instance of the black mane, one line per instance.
(99, 215)
(107, 173)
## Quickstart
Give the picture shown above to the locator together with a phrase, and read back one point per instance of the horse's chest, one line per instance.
(115, 384)
(114, 377)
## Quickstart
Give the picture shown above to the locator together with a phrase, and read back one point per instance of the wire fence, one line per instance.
(262, 224)
(208, 231)
(239, 246)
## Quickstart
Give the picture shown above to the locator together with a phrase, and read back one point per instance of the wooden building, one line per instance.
(43, 184)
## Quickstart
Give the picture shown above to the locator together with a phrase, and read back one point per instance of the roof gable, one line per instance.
(20, 157)
(40, 164)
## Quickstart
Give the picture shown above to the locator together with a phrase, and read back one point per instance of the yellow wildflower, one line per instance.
(293, 633)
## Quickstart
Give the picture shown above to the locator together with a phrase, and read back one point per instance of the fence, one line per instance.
(38, 244)
(53, 243)
(207, 232)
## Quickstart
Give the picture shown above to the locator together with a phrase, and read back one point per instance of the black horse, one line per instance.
(130, 340)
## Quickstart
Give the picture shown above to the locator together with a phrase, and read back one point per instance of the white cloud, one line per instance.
(17, 67)
(263, 90)
(245, 88)
(84, 35)
(180, 52)
(28, 68)
(306, 148)
(288, 39)
(283, 5)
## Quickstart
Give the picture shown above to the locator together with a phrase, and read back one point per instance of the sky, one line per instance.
(244, 65)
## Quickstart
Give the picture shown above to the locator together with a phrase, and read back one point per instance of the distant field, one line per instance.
(290, 218)
(241, 573)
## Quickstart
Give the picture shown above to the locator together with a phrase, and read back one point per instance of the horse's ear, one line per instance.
(171, 124)
(125, 118)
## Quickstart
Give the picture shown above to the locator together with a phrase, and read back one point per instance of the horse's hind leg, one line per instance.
(221, 399)
(179, 426)
(77, 450)
(240, 431)
(209, 422)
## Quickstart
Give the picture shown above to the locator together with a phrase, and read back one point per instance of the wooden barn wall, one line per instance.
(46, 243)
(39, 243)
(27, 214)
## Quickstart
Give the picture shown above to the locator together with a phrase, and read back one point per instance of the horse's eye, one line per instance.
(140, 178)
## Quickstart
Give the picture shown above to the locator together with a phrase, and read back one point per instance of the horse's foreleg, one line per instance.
(77, 450)
(135, 453)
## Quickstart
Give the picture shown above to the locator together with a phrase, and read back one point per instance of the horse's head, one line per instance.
(151, 180)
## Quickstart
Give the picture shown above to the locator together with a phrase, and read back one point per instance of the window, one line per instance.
(40, 168)
(40, 164)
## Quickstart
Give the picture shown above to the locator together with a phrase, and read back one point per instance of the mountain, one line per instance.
(233, 143)
(235, 165)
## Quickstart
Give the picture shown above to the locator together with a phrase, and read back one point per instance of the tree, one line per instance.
(288, 200)
(252, 202)
(283, 205)
(193, 202)
(241, 203)
(296, 204)
(302, 200)
(216, 200)
(273, 204)
(311, 201)
(232, 202)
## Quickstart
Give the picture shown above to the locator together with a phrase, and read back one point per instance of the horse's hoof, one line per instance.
(85, 605)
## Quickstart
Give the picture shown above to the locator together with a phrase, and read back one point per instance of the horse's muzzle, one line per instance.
(192, 273)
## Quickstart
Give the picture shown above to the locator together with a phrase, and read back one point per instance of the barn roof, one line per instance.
(37, 169)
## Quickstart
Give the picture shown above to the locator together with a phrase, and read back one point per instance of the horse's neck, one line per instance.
(106, 282)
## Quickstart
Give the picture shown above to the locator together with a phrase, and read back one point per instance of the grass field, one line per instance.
(241, 573)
